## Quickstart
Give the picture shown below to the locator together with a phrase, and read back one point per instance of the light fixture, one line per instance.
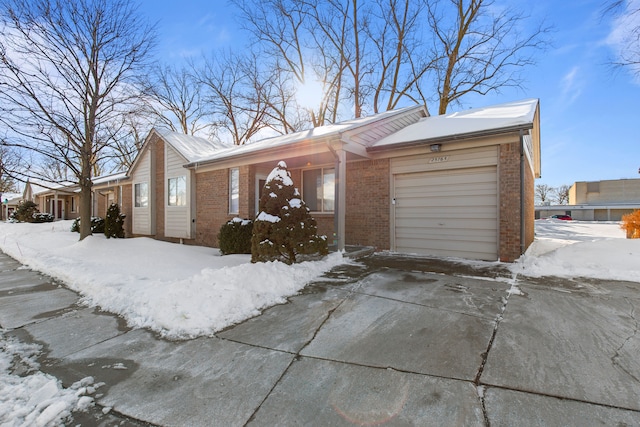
(435, 147)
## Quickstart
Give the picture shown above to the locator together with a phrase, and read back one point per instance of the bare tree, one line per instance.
(626, 34)
(401, 59)
(175, 98)
(561, 194)
(478, 48)
(9, 163)
(543, 193)
(236, 95)
(67, 70)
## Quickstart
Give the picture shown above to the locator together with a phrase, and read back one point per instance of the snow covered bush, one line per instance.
(284, 229)
(97, 225)
(631, 224)
(42, 217)
(114, 222)
(235, 237)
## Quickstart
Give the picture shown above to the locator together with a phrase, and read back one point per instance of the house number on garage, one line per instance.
(438, 159)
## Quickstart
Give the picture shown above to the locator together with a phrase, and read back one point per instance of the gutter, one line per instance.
(450, 138)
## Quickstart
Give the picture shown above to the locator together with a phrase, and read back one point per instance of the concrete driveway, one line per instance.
(391, 341)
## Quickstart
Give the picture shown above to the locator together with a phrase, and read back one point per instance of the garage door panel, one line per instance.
(447, 213)
(457, 202)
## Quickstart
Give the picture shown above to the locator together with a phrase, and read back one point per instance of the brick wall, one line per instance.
(529, 203)
(367, 220)
(509, 184)
(126, 207)
(212, 205)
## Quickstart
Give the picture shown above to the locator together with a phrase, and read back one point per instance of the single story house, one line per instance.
(606, 200)
(459, 184)
(62, 199)
(8, 203)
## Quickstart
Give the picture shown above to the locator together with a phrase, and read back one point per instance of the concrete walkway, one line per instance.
(391, 341)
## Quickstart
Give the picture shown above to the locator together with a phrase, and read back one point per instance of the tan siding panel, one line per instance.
(447, 213)
(445, 160)
(177, 218)
(141, 216)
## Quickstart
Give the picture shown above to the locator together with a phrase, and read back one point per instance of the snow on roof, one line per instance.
(106, 178)
(306, 135)
(191, 147)
(41, 186)
(476, 120)
(11, 196)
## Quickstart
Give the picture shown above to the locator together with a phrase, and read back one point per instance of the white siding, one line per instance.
(446, 204)
(177, 219)
(142, 216)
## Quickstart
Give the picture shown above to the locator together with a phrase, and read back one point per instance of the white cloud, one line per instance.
(571, 85)
(624, 37)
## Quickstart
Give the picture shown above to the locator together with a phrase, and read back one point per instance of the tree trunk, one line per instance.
(85, 209)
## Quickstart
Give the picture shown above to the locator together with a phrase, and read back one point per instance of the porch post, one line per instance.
(55, 205)
(341, 198)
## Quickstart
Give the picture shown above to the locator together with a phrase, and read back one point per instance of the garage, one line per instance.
(451, 211)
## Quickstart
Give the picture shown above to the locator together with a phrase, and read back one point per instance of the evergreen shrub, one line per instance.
(25, 211)
(235, 237)
(97, 225)
(114, 222)
(284, 230)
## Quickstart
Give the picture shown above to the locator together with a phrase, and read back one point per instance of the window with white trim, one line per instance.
(177, 195)
(234, 190)
(141, 195)
(318, 189)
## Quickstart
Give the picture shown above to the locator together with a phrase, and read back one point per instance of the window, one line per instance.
(318, 188)
(73, 204)
(234, 190)
(177, 191)
(142, 195)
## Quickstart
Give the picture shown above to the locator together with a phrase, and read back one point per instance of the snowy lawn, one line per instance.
(179, 291)
(581, 249)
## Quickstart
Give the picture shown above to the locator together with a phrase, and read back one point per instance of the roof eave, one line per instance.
(453, 137)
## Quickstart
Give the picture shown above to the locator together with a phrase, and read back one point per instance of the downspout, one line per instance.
(522, 206)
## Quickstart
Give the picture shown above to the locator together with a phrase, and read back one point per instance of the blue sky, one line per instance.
(589, 110)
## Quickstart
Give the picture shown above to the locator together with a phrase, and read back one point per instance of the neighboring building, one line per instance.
(62, 200)
(460, 184)
(8, 203)
(605, 200)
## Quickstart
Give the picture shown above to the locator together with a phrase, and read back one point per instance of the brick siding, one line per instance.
(126, 207)
(368, 191)
(509, 214)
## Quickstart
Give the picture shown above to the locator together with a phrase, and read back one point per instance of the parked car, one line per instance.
(562, 217)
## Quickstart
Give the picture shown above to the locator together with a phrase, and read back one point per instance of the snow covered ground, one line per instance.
(187, 291)
(581, 249)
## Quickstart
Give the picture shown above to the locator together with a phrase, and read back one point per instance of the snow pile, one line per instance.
(179, 291)
(36, 399)
(581, 249)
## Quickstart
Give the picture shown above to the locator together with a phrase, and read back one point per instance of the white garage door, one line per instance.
(447, 213)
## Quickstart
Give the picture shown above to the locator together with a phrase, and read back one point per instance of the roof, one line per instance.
(39, 186)
(472, 122)
(192, 148)
(11, 197)
(109, 178)
(315, 134)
